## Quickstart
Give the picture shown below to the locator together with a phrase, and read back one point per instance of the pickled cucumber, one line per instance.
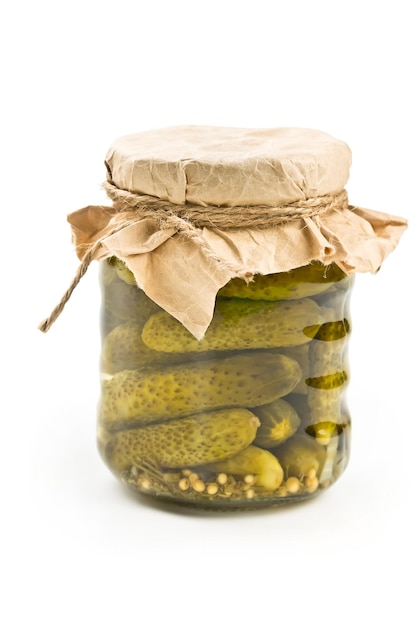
(298, 283)
(123, 349)
(301, 355)
(134, 397)
(263, 465)
(188, 441)
(122, 271)
(237, 325)
(279, 421)
(301, 456)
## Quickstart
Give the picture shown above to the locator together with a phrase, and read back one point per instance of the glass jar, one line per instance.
(254, 414)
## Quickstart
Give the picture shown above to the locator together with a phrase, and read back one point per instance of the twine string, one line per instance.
(223, 217)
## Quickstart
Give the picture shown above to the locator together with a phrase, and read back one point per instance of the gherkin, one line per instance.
(123, 349)
(263, 465)
(122, 271)
(133, 397)
(237, 325)
(279, 421)
(301, 355)
(188, 441)
(300, 455)
(300, 282)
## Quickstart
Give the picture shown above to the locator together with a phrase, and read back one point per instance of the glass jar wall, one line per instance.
(254, 414)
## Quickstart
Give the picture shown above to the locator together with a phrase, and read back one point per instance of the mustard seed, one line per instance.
(293, 485)
(184, 484)
(198, 486)
(212, 489)
(222, 478)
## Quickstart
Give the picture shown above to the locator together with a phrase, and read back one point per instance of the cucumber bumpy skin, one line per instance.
(263, 465)
(301, 282)
(237, 325)
(133, 397)
(189, 441)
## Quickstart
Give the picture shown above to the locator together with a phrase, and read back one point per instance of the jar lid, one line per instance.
(207, 165)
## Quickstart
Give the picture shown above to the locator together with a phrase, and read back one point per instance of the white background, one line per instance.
(76, 548)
